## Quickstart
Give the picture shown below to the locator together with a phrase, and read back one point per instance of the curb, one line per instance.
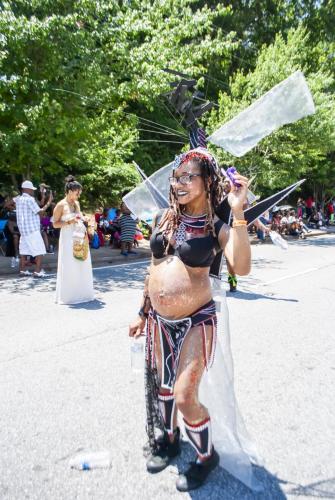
(256, 241)
(97, 261)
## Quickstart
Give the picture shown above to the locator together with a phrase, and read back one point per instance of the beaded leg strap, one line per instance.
(200, 437)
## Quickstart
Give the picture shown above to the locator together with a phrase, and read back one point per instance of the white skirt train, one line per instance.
(230, 437)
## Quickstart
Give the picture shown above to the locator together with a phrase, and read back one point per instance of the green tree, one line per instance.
(76, 75)
(303, 149)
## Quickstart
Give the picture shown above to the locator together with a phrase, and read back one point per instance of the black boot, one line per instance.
(166, 451)
(197, 474)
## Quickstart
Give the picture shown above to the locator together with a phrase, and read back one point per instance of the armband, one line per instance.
(239, 222)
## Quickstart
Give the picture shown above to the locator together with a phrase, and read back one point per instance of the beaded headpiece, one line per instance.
(197, 153)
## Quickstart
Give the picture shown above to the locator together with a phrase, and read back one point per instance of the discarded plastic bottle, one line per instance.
(13, 262)
(136, 354)
(91, 460)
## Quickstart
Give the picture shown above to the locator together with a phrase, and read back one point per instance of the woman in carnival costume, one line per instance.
(185, 366)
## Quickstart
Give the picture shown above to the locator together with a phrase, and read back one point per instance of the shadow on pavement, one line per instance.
(222, 485)
(256, 296)
(261, 263)
(26, 285)
(120, 278)
(93, 305)
(105, 280)
(320, 489)
(229, 488)
(319, 242)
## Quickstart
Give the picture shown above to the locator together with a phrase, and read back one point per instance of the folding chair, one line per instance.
(3, 239)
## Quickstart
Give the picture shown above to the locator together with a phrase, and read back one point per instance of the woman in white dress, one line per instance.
(74, 277)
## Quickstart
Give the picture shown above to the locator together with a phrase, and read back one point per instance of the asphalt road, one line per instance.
(65, 383)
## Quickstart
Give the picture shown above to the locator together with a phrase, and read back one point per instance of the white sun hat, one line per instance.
(27, 185)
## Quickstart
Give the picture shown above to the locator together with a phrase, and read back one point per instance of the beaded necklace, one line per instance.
(189, 224)
(72, 206)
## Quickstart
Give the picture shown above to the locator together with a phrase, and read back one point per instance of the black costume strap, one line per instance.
(167, 406)
(172, 336)
(151, 384)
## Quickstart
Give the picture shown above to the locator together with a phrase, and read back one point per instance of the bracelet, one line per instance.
(239, 222)
(145, 308)
(143, 314)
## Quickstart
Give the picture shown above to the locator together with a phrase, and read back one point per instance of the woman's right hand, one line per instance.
(137, 327)
(72, 220)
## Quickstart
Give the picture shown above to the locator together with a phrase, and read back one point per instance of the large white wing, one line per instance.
(151, 195)
(285, 103)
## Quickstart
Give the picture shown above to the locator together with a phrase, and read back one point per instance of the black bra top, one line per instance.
(195, 252)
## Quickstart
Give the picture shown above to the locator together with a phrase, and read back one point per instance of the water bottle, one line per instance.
(13, 262)
(137, 354)
(51, 248)
(278, 240)
(91, 460)
(218, 292)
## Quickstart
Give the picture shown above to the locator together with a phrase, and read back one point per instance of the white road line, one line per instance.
(311, 270)
(306, 271)
(122, 265)
(50, 275)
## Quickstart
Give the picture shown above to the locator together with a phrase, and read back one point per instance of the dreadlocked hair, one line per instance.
(213, 182)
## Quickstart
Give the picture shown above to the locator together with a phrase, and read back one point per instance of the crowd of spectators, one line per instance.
(290, 221)
(118, 228)
(10, 231)
(114, 227)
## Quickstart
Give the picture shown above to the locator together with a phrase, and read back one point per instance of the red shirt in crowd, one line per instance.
(309, 202)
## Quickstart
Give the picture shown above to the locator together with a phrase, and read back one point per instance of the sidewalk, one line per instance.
(314, 232)
(106, 256)
(103, 256)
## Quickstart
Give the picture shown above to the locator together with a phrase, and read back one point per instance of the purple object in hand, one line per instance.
(231, 175)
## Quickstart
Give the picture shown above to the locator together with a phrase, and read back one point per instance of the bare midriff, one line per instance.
(177, 290)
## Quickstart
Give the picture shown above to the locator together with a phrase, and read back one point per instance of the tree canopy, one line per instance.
(82, 86)
(303, 149)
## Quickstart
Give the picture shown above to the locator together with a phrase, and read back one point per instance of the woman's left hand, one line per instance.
(238, 195)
